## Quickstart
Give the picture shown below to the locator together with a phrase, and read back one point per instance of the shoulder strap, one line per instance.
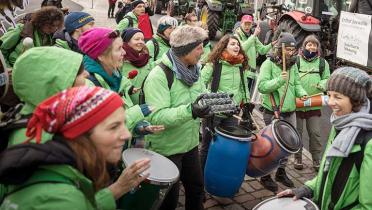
(94, 79)
(168, 73)
(216, 76)
(130, 21)
(346, 167)
(321, 66)
(298, 62)
(156, 48)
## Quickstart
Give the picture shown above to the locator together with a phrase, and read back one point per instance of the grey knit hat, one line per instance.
(286, 38)
(351, 82)
(186, 38)
(311, 38)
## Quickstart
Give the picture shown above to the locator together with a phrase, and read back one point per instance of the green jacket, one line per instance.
(358, 186)
(163, 48)
(73, 191)
(310, 81)
(133, 112)
(173, 110)
(270, 81)
(230, 81)
(37, 76)
(124, 23)
(207, 50)
(137, 81)
(12, 46)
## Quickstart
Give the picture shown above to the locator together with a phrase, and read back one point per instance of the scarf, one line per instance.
(277, 59)
(188, 75)
(349, 126)
(232, 59)
(138, 59)
(309, 56)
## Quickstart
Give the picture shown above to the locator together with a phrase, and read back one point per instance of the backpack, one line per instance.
(11, 120)
(121, 14)
(156, 48)
(168, 74)
(321, 65)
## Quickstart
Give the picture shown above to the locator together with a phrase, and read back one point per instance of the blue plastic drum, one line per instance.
(227, 160)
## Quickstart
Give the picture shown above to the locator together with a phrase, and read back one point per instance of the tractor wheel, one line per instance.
(170, 8)
(211, 19)
(291, 26)
(157, 6)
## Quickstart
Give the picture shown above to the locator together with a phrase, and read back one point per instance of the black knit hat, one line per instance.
(136, 3)
(351, 82)
(128, 33)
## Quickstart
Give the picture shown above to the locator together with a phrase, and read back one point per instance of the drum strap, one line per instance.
(345, 170)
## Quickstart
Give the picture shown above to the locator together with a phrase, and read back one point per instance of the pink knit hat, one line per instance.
(96, 40)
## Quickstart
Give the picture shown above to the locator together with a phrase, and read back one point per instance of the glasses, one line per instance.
(291, 50)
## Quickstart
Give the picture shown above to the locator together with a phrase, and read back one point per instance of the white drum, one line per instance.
(286, 203)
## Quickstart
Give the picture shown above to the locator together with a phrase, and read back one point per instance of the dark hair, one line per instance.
(216, 53)
(47, 16)
(90, 161)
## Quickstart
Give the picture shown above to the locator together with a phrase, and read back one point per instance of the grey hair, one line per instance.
(167, 20)
(185, 35)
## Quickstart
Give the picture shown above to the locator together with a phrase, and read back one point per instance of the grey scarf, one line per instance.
(187, 75)
(349, 126)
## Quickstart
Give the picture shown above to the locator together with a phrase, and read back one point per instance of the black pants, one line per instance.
(191, 176)
(207, 135)
(111, 10)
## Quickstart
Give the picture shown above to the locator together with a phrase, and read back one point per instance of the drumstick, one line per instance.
(237, 117)
(284, 58)
(255, 122)
(318, 94)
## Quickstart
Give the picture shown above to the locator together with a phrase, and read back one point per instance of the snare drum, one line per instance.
(286, 203)
(151, 193)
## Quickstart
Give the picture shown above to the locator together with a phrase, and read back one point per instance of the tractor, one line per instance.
(223, 14)
(320, 17)
(180, 7)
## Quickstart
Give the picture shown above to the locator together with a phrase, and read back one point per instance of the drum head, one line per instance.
(287, 135)
(162, 170)
(286, 203)
(234, 131)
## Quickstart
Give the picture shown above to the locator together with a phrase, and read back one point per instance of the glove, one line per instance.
(303, 191)
(201, 111)
(140, 128)
(145, 110)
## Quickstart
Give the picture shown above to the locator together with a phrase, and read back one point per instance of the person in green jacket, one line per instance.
(39, 29)
(159, 44)
(39, 73)
(284, 87)
(104, 54)
(348, 155)
(70, 170)
(314, 80)
(253, 47)
(130, 20)
(76, 23)
(136, 65)
(229, 54)
(178, 110)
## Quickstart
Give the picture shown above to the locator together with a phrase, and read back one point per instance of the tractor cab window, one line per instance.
(305, 6)
(329, 7)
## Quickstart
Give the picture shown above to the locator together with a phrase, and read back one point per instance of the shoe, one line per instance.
(281, 176)
(316, 165)
(298, 164)
(268, 183)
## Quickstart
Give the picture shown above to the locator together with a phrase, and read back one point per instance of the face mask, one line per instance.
(309, 55)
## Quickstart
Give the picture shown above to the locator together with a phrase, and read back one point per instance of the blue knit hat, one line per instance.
(128, 33)
(76, 20)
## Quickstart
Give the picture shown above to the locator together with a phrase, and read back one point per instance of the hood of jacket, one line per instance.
(41, 72)
(64, 36)
(19, 162)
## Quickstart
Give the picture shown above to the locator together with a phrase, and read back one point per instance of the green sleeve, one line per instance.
(158, 95)
(151, 48)
(133, 115)
(299, 90)
(206, 73)
(365, 185)
(62, 44)
(248, 43)
(262, 49)
(266, 83)
(123, 24)
(105, 200)
(325, 76)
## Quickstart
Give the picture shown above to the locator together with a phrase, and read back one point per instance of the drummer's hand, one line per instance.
(154, 128)
(287, 193)
(130, 178)
(304, 98)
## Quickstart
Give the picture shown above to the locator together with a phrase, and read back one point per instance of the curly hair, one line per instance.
(216, 53)
(48, 15)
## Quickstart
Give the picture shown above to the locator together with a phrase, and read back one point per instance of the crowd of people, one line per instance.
(87, 93)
